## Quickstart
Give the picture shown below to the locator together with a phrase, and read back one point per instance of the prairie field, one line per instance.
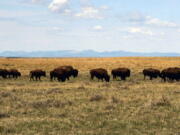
(82, 106)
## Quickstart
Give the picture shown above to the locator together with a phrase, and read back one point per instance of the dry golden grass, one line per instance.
(84, 107)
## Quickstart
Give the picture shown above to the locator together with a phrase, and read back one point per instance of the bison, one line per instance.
(123, 73)
(74, 73)
(14, 73)
(151, 73)
(4, 73)
(100, 74)
(68, 71)
(38, 73)
(172, 74)
(58, 73)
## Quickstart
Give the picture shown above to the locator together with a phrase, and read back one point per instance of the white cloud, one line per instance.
(139, 18)
(155, 21)
(86, 11)
(140, 30)
(89, 12)
(58, 5)
(67, 11)
(98, 27)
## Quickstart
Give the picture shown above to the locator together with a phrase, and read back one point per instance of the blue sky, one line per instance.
(101, 25)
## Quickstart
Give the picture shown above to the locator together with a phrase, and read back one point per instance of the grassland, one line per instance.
(84, 107)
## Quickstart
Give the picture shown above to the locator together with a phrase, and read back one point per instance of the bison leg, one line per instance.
(51, 78)
(63, 79)
(4, 76)
(123, 78)
(33, 78)
(144, 77)
(59, 79)
(30, 78)
(163, 78)
(92, 77)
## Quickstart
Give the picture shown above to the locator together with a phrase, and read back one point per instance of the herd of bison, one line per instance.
(64, 73)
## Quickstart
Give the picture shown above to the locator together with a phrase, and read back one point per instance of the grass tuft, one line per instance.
(96, 98)
(163, 101)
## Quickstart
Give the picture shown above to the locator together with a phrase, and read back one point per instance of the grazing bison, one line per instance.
(4, 73)
(74, 73)
(123, 73)
(100, 74)
(151, 73)
(172, 74)
(38, 73)
(66, 73)
(58, 73)
(14, 73)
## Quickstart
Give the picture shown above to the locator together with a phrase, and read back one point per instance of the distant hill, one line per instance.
(86, 53)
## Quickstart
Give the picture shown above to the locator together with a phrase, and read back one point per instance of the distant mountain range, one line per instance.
(86, 53)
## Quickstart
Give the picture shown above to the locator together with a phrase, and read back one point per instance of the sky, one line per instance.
(100, 25)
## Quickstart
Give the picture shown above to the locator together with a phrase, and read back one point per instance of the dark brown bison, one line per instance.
(14, 73)
(68, 71)
(74, 73)
(38, 73)
(123, 73)
(100, 74)
(172, 74)
(151, 73)
(58, 73)
(4, 73)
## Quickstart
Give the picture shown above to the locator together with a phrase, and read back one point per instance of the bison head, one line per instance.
(75, 73)
(107, 78)
(19, 74)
